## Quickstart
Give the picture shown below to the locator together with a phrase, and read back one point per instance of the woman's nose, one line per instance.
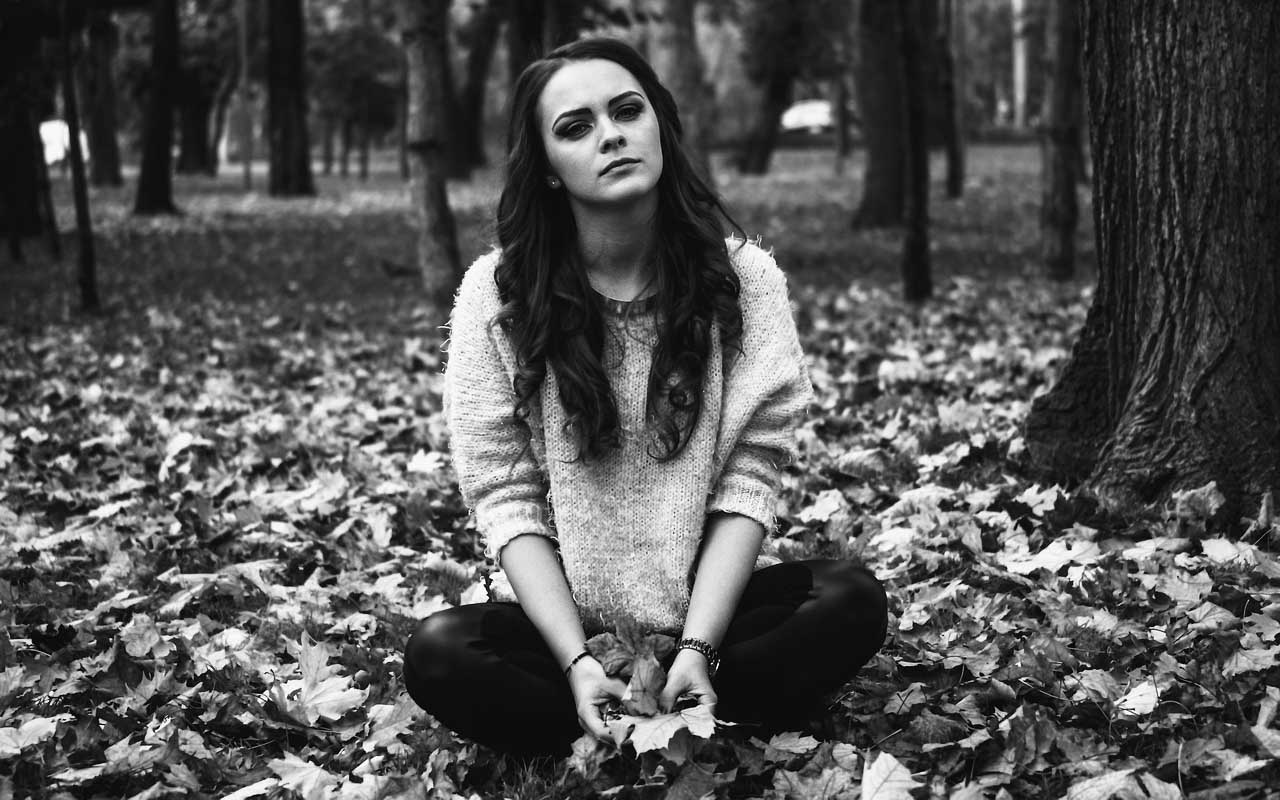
(611, 137)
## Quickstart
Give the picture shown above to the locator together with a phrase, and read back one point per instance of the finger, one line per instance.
(589, 718)
(667, 699)
(616, 688)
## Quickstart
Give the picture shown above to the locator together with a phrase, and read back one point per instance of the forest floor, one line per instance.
(227, 500)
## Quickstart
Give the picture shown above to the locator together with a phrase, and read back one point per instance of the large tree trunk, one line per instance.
(950, 49)
(155, 179)
(917, 282)
(22, 156)
(1176, 378)
(673, 51)
(482, 37)
(879, 79)
(289, 168)
(1059, 213)
(524, 34)
(99, 99)
(424, 31)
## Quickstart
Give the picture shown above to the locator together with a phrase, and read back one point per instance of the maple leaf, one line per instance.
(307, 779)
(320, 693)
(387, 722)
(1101, 787)
(142, 638)
(833, 783)
(1139, 700)
(654, 733)
(32, 732)
(886, 779)
(647, 681)
(1252, 659)
(784, 746)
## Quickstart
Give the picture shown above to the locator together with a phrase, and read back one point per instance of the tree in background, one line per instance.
(881, 87)
(355, 74)
(155, 180)
(478, 37)
(916, 31)
(1060, 135)
(783, 41)
(673, 51)
(290, 154)
(424, 31)
(98, 96)
(1175, 378)
(950, 50)
(205, 82)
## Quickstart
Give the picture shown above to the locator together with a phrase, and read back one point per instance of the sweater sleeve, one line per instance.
(767, 390)
(497, 467)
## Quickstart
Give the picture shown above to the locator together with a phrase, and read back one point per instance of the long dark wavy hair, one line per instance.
(549, 309)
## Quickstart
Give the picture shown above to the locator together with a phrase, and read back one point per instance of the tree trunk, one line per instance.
(1020, 60)
(327, 132)
(87, 264)
(561, 22)
(289, 168)
(23, 157)
(949, 36)
(524, 34)
(155, 180)
(195, 155)
(917, 283)
(762, 139)
(221, 105)
(483, 41)
(424, 31)
(879, 79)
(1176, 378)
(1059, 214)
(99, 97)
(344, 148)
(673, 51)
(365, 145)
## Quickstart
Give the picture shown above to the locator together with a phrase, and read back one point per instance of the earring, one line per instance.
(553, 182)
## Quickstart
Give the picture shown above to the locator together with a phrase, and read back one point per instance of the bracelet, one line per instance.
(584, 654)
(708, 652)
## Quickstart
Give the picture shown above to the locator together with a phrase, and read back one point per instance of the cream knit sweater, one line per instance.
(627, 526)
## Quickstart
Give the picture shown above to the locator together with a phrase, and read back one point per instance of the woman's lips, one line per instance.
(621, 162)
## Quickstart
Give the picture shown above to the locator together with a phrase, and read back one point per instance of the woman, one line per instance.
(622, 390)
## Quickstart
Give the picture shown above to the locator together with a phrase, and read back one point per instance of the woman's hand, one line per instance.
(591, 689)
(688, 676)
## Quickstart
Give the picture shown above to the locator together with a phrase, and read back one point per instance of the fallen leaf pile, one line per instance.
(218, 527)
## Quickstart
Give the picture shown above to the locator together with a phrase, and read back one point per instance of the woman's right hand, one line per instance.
(591, 689)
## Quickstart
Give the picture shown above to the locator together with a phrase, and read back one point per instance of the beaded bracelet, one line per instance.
(576, 659)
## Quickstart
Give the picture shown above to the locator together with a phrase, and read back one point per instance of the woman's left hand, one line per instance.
(688, 677)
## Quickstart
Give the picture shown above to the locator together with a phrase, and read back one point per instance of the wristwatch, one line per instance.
(708, 652)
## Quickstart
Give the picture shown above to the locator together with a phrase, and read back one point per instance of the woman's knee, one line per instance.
(433, 649)
(854, 589)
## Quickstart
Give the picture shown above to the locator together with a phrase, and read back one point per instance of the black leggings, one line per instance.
(801, 630)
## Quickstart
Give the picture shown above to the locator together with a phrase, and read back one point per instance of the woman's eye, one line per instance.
(574, 130)
(628, 112)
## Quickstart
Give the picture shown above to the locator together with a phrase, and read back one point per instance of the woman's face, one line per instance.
(600, 134)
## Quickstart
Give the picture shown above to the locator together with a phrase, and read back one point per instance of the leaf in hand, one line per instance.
(654, 733)
(647, 679)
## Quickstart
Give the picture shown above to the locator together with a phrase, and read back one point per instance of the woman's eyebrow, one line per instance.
(584, 110)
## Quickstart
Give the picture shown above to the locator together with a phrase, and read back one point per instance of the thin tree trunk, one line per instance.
(949, 43)
(879, 77)
(402, 125)
(844, 142)
(424, 31)
(365, 144)
(99, 95)
(344, 149)
(763, 137)
(221, 103)
(1020, 63)
(195, 155)
(155, 180)
(917, 282)
(483, 39)
(87, 265)
(48, 213)
(524, 34)
(327, 133)
(1176, 378)
(673, 51)
(289, 169)
(1059, 214)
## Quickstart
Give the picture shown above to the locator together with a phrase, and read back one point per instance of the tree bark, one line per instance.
(155, 180)
(289, 166)
(1059, 213)
(917, 282)
(879, 78)
(344, 148)
(949, 36)
(99, 96)
(524, 34)
(1176, 378)
(424, 32)
(21, 205)
(327, 133)
(221, 106)
(483, 41)
(673, 51)
(1020, 63)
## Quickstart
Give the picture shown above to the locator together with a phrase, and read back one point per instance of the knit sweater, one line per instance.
(627, 525)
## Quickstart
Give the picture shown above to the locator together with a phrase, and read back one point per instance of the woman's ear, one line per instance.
(553, 181)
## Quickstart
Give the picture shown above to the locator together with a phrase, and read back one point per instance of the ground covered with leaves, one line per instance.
(223, 511)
